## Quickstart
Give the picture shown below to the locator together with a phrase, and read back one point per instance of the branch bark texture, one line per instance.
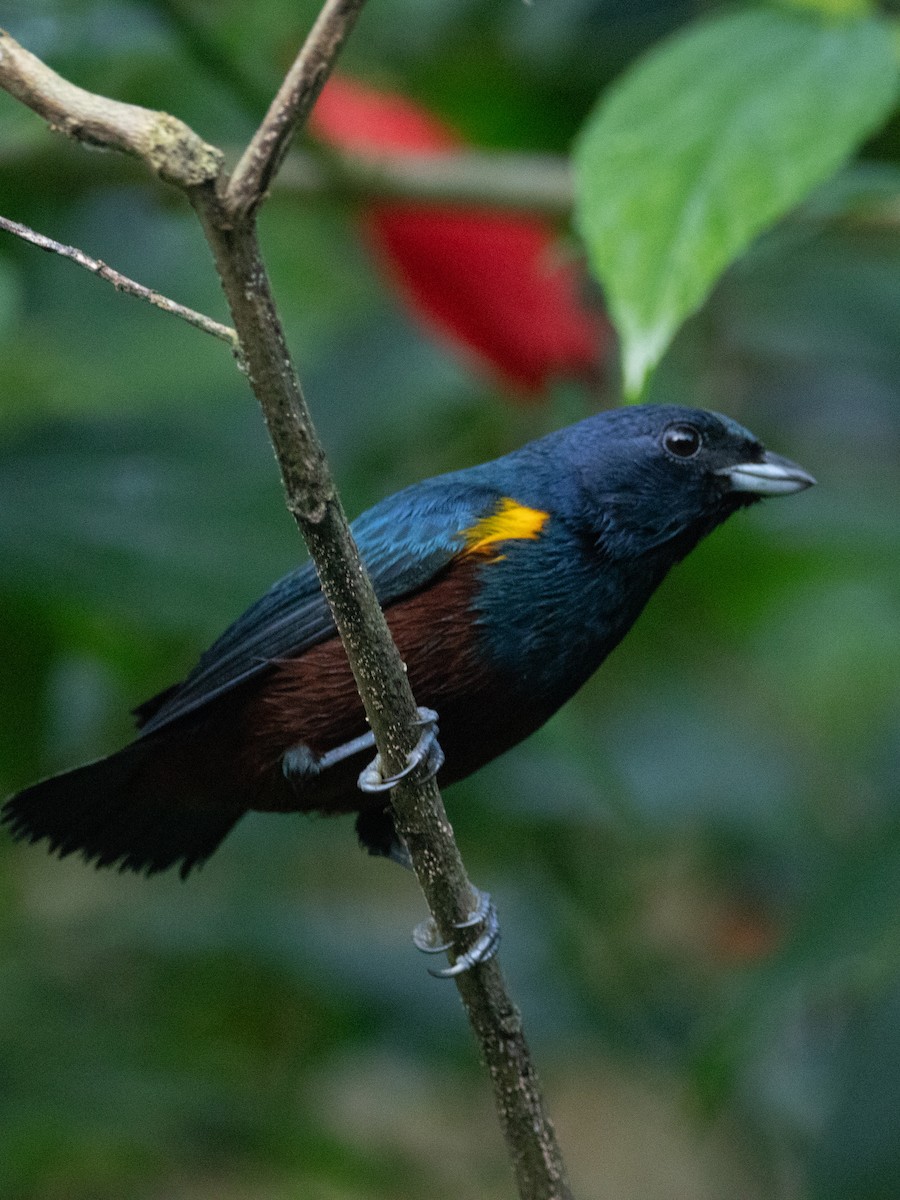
(226, 209)
(122, 283)
(293, 103)
(169, 147)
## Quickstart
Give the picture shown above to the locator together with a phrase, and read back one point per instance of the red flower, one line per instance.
(492, 282)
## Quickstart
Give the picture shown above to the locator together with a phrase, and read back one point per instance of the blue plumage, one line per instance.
(505, 584)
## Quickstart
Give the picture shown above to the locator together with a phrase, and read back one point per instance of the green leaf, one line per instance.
(707, 142)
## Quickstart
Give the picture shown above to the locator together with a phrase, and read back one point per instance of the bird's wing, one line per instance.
(404, 541)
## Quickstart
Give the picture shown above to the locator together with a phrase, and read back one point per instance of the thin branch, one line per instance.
(540, 184)
(312, 498)
(525, 182)
(169, 147)
(122, 283)
(259, 163)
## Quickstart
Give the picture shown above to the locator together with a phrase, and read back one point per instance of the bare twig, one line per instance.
(527, 183)
(169, 147)
(121, 282)
(227, 214)
(540, 184)
(259, 163)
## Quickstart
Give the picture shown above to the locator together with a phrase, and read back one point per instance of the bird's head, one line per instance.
(654, 476)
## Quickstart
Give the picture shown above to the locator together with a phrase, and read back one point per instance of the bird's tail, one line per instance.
(119, 810)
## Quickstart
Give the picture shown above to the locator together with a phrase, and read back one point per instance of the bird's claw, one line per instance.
(425, 938)
(426, 753)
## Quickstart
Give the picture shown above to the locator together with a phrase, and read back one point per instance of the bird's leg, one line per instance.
(377, 833)
(300, 763)
(484, 914)
(426, 753)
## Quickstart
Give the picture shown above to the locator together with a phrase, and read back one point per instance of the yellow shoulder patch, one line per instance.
(509, 521)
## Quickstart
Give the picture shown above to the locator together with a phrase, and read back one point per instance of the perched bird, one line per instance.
(505, 586)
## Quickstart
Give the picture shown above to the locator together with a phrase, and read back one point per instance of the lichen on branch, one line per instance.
(168, 146)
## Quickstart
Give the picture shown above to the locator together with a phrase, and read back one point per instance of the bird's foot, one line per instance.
(300, 764)
(426, 938)
(426, 753)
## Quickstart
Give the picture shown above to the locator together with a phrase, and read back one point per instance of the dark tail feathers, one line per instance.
(115, 811)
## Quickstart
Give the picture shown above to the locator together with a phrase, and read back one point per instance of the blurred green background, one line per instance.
(697, 863)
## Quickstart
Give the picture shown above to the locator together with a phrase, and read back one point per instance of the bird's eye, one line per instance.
(684, 441)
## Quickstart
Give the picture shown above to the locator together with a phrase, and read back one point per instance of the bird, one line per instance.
(505, 586)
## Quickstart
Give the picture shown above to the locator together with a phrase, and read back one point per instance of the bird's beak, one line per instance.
(774, 476)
